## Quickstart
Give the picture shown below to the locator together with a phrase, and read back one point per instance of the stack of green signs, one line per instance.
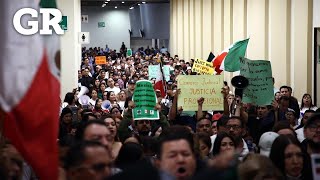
(145, 101)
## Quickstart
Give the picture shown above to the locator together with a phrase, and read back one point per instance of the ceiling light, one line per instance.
(143, 2)
(108, 0)
(122, 2)
(131, 8)
(116, 7)
(103, 5)
(138, 4)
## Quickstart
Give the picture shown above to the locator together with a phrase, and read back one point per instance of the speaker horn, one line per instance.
(240, 83)
(84, 100)
(106, 104)
(84, 90)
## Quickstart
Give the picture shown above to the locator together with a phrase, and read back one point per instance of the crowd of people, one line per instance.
(100, 140)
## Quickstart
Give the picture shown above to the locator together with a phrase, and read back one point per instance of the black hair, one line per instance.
(174, 133)
(76, 154)
(83, 126)
(218, 140)
(69, 98)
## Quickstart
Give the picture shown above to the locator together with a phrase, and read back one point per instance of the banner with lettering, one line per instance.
(145, 100)
(166, 72)
(202, 67)
(260, 88)
(195, 87)
(100, 60)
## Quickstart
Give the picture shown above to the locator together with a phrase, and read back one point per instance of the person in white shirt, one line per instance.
(111, 86)
(94, 97)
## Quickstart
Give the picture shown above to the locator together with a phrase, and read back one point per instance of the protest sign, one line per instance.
(129, 52)
(101, 60)
(145, 100)
(166, 72)
(153, 71)
(202, 67)
(260, 88)
(195, 87)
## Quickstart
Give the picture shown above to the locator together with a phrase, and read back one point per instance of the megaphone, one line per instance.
(240, 83)
(84, 90)
(106, 104)
(84, 100)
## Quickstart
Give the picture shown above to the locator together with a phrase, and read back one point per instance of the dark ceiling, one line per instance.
(112, 3)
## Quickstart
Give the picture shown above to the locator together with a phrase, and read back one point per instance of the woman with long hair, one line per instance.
(306, 104)
(94, 97)
(290, 158)
(116, 144)
(224, 142)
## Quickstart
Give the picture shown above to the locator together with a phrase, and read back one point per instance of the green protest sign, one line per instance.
(145, 100)
(260, 88)
(129, 52)
(166, 72)
(153, 71)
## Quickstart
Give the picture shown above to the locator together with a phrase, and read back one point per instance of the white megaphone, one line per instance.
(106, 104)
(84, 100)
(84, 90)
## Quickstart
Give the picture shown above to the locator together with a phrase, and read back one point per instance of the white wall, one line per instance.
(114, 33)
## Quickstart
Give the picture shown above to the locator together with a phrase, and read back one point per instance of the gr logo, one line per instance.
(47, 21)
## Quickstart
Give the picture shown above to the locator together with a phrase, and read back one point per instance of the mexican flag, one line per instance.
(160, 84)
(30, 88)
(229, 59)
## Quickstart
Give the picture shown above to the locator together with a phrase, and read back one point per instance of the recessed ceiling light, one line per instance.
(143, 2)
(108, 0)
(131, 8)
(138, 4)
(122, 2)
(116, 7)
(103, 5)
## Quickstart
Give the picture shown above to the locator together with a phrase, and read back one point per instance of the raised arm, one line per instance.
(200, 104)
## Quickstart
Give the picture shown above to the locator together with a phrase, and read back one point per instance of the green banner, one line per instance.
(101, 24)
(195, 87)
(260, 88)
(145, 100)
(129, 52)
(64, 23)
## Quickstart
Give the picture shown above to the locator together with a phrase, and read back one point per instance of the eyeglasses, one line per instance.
(313, 127)
(235, 127)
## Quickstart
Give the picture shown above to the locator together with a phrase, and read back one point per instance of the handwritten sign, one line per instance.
(166, 72)
(145, 100)
(153, 71)
(101, 60)
(194, 87)
(202, 67)
(260, 88)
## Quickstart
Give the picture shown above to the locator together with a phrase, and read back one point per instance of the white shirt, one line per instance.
(244, 152)
(300, 134)
(116, 90)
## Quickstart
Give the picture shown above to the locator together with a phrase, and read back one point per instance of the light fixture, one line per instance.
(143, 2)
(103, 5)
(138, 4)
(131, 8)
(122, 2)
(116, 7)
(108, 0)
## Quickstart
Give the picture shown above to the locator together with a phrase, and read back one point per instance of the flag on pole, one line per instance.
(29, 94)
(159, 84)
(210, 57)
(218, 60)
(231, 62)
